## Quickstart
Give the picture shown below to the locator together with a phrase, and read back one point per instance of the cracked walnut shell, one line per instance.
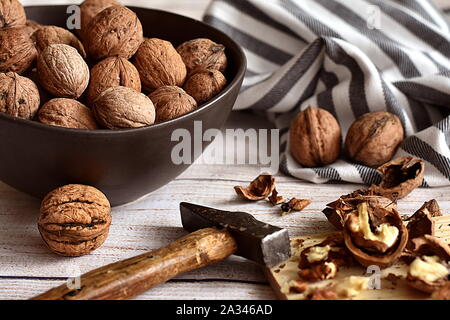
(12, 14)
(17, 50)
(205, 84)
(203, 53)
(74, 219)
(315, 137)
(259, 189)
(62, 71)
(122, 107)
(67, 113)
(47, 35)
(171, 102)
(19, 96)
(112, 72)
(115, 31)
(374, 138)
(159, 64)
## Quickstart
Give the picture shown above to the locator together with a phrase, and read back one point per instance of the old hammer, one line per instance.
(216, 235)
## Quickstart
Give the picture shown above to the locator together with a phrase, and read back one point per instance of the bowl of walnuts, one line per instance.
(99, 105)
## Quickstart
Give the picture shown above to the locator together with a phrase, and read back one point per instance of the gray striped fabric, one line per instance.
(348, 57)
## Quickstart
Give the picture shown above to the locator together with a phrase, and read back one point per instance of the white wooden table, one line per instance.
(27, 268)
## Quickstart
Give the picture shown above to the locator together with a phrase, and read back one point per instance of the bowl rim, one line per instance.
(107, 132)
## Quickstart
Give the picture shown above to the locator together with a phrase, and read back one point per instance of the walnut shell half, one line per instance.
(74, 219)
(12, 14)
(205, 84)
(259, 189)
(17, 50)
(122, 107)
(67, 113)
(203, 53)
(47, 35)
(19, 96)
(171, 102)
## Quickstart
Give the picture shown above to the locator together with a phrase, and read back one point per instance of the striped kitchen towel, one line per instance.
(348, 57)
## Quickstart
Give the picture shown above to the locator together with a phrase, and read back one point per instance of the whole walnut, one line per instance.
(159, 64)
(116, 31)
(203, 53)
(17, 50)
(62, 71)
(19, 96)
(12, 14)
(205, 84)
(89, 9)
(112, 72)
(171, 102)
(47, 35)
(68, 113)
(32, 26)
(122, 107)
(74, 220)
(315, 137)
(373, 138)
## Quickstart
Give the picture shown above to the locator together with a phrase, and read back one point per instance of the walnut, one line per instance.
(275, 199)
(19, 96)
(47, 35)
(17, 50)
(400, 177)
(32, 26)
(159, 64)
(294, 204)
(315, 138)
(122, 107)
(62, 71)
(67, 113)
(112, 72)
(116, 31)
(259, 189)
(422, 222)
(374, 138)
(205, 84)
(171, 102)
(89, 9)
(203, 53)
(374, 235)
(12, 14)
(74, 219)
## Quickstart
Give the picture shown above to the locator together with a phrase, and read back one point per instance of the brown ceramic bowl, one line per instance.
(125, 164)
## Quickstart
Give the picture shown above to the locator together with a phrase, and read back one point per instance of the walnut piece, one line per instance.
(47, 35)
(12, 14)
(67, 113)
(374, 138)
(294, 204)
(17, 50)
(159, 64)
(400, 177)
(205, 84)
(275, 199)
(112, 72)
(74, 219)
(89, 9)
(62, 71)
(259, 189)
(115, 31)
(315, 138)
(422, 222)
(122, 107)
(19, 96)
(171, 102)
(443, 293)
(203, 53)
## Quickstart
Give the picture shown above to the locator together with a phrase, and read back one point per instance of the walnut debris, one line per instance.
(259, 189)
(294, 204)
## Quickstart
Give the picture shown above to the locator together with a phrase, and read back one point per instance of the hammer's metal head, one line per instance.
(256, 240)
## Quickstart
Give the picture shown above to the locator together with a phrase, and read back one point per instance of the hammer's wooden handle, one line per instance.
(128, 278)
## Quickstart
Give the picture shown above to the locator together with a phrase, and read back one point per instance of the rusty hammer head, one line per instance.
(256, 240)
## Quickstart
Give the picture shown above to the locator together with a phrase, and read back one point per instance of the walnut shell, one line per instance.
(171, 102)
(374, 138)
(47, 35)
(400, 177)
(205, 84)
(315, 138)
(260, 188)
(203, 53)
(89, 9)
(19, 96)
(32, 26)
(67, 113)
(122, 107)
(422, 222)
(74, 220)
(62, 71)
(12, 14)
(116, 31)
(112, 72)
(159, 64)
(17, 50)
